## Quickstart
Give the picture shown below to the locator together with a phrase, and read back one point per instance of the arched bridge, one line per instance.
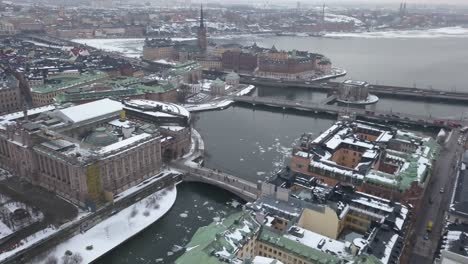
(244, 189)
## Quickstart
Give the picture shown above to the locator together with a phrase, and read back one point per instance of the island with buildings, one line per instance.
(93, 144)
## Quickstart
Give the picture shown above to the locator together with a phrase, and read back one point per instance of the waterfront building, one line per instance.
(159, 49)
(233, 79)
(355, 92)
(239, 61)
(316, 224)
(289, 65)
(88, 153)
(218, 87)
(376, 159)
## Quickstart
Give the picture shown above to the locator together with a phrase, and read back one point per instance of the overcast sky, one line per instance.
(377, 2)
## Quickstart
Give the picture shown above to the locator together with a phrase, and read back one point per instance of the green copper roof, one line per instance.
(296, 248)
(220, 238)
(68, 81)
(95, 95)
(160, 88)
(232, 76)
(101, 137)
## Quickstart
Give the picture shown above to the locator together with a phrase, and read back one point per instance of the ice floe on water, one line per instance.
(184, 214)
(234, 203)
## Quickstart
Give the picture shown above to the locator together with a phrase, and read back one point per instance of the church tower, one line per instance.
(201, 37)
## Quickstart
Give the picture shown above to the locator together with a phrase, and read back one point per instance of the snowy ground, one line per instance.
(455, 32)
(4, 174)
(246, 90)
(220, 104)
(7, 207)
(113, 231)
(143, 184)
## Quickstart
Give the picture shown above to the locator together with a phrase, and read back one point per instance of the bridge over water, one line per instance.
(244, 189)
(343, 110)
(380, 90)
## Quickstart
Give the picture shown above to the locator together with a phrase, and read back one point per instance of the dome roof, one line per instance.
(218, 82)
(101, 137)
(232, 76)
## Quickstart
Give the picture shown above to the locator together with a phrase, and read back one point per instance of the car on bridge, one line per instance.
(454, 124)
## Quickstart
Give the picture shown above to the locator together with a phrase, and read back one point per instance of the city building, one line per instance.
(289, 65)
(7, 29)
(453, 245)
(211, 63)
(458, 211)
(122, 87)
(314, 224)
(239, 61)
(355, 92)
(376, 159)
(89, 153)
(58, 83)
(233, 79)
(10, 96)
(165, 50)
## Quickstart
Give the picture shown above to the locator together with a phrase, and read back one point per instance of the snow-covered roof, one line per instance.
(123, 143)
(320, 242)
(166, 107)
(89, 111)
(9, 118)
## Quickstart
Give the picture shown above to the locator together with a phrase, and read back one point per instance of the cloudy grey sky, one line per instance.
(429, 2)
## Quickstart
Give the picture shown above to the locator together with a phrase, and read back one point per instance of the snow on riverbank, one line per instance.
(459, 32)
(208, 106)
(246, 90)
(113, 231)
(219, 104)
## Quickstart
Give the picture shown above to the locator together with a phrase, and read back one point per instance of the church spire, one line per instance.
(201, 36)
(202, 24)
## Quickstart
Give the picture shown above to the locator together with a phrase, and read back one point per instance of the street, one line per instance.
(436, 201)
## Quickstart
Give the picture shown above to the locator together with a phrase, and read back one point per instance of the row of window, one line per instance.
(271, 252)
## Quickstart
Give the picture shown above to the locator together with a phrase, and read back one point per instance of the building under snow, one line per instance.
(453, 245)
(317, 224)
(376, 159)
(90, 152)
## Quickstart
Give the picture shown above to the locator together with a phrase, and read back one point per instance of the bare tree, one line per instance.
(51, 260)
(72, 258)
(107, 231)
(134, 212)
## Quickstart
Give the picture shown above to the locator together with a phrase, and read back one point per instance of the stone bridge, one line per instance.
(242, 188)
